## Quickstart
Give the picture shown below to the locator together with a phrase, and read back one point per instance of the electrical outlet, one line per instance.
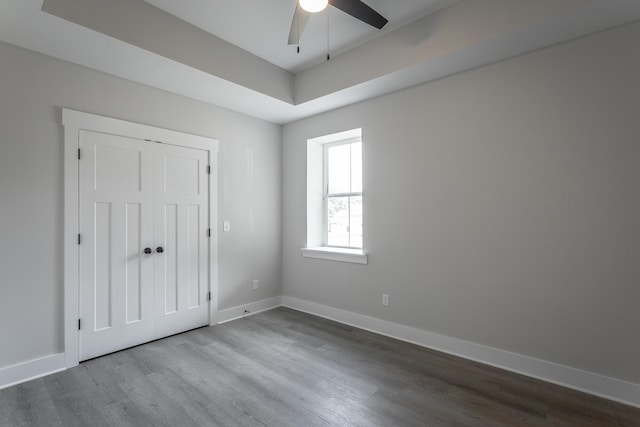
(256, 284)
(226, 226)
(385, 300)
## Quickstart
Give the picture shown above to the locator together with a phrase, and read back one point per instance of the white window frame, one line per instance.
(326, 195)
(316, 240)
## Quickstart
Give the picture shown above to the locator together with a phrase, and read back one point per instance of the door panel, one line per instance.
(134, 262)
(194, 238)
(102, 283)
(170, 260)
(181, 208)
(182, 174)
(126, 176)
(116, 277)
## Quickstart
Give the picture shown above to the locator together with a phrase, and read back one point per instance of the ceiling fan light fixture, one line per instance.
(314, 6)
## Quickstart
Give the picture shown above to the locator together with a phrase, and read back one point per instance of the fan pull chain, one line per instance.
(298, 25)
(328, 44)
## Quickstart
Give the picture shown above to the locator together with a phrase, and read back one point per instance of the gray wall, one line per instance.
(502, 206)
(33, 88)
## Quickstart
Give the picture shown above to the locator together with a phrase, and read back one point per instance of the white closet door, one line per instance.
(116, 275)
(181, 225)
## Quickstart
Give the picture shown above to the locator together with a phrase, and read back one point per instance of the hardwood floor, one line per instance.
(286, 368)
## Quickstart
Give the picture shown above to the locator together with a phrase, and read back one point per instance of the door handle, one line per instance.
(159, 249)
(147, 250)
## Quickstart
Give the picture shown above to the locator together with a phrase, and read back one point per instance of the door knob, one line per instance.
(147, 250)
(159, 249)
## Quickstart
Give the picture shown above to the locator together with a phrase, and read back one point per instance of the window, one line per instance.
(335, 198)
(343, 194)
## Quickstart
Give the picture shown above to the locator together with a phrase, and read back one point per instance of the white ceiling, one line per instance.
(241, 61)
(262, 27)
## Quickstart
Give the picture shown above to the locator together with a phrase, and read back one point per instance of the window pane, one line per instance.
(339, 165)
(356, 167)
(338, 221)
(355, 223)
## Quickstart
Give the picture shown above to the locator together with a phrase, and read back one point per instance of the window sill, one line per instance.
(355, 256)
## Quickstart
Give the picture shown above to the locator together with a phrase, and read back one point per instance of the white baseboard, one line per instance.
(27, 371)
(588, 382)
(233, 313)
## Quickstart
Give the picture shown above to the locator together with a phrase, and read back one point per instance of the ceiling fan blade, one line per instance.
(299, 22)
(361, 11)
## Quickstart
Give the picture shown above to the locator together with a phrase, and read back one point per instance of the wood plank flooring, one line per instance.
(286, 368)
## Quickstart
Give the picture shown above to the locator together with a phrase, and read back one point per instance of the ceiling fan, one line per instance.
(355, 8)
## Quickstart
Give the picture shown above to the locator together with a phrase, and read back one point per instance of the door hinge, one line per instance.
(209, 233)
(78, 238)
(79, 324)
(78, 154)
(209, 169)
(209, 296)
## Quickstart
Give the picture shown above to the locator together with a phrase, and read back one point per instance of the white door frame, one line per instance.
(74, 121)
